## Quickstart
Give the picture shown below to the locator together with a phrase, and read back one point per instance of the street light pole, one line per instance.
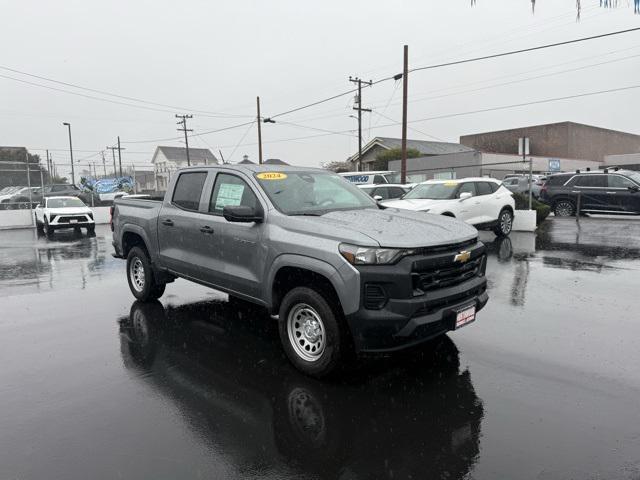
(73, 176)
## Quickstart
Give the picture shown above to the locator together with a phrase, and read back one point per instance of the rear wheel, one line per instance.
(505, 223)
(564, 208)
(140, 276)
(312, 332)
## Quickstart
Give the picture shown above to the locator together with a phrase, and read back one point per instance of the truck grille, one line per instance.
(449, 275)
(67, 219)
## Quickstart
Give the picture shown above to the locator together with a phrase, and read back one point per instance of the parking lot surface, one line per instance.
(544, 385)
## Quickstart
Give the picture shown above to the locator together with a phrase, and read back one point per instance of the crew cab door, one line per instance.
(242, 254)
(179, 225)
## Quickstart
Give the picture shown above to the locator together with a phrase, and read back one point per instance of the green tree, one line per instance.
(337, 167)
(383, 158)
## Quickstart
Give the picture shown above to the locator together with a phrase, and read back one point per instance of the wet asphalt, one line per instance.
(544, 385)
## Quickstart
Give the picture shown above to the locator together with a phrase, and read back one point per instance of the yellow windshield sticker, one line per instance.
(451, 184)
(272, 176)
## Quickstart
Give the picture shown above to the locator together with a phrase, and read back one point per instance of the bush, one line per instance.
(522, 203)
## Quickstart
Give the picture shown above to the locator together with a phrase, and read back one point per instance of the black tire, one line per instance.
(91, 231)
(48, 229)
(505, 223)
(140, 276)
(39, 227)
(320, 353)
(564, 208)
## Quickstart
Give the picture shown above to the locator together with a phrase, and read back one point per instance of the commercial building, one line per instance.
(561, 140)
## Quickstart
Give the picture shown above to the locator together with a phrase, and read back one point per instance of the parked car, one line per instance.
(20, 198)
(385, 192)
(64, 190)
(56, 213)
(371, 178)
(520, 184)
(608, 191)
(482, 202)
(339, 272)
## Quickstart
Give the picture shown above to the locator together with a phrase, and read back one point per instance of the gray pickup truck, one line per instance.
(341, 274)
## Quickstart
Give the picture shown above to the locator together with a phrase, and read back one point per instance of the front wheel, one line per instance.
(564, 208)
(140, 276)
(312, 331)
(505, 223)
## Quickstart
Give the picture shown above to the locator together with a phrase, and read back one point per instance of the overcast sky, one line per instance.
(216, 57)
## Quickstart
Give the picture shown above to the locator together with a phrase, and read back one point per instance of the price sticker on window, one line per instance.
(272, 176)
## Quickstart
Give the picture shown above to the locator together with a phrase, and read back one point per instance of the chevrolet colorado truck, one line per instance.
(341, 273)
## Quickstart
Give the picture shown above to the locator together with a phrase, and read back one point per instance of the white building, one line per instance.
(166, 160)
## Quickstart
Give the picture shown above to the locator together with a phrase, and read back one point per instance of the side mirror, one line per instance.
(242, 214)
(464, 196)
(377, 198)
(634, 189)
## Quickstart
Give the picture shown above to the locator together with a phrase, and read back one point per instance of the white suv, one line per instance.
(482, 202)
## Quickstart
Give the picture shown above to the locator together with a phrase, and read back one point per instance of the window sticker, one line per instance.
(272, 176)
(229, 194)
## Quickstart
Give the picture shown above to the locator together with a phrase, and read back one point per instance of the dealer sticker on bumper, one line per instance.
(466, 316)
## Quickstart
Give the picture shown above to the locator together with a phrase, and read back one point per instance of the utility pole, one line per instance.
(523, 149)
(259, 132)
(73, 176)
(360, 110)
(120, 155)
(48, 168)
(104, 165)
(113, 154)
(184, 129)
(405, 86)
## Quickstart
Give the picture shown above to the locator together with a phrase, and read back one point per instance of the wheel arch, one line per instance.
(289, 271)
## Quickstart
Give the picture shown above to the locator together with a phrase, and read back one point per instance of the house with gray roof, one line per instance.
(426, 147)
(166, 160)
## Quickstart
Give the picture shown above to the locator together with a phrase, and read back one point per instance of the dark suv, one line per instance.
(611, 191)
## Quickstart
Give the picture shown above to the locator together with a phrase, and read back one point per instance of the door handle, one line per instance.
(611, 193)
(168, 222)
(207, 229)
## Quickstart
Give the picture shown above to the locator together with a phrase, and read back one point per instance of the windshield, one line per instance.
(64, 203)
(311, 192)
(433, 191)
(635, 176)
(392, 177)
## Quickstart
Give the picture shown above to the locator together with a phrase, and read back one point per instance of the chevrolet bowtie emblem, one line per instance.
(462, 257)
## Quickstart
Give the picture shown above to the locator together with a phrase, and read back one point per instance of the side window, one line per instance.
(484, 188)
(396, 192)
(592, 181)
(618, 181)
(231, 190)
(493, 186)
(379, 179)
(188, 190)
(467, 187)
(383, 192)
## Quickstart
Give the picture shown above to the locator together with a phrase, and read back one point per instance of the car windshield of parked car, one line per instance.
(635, 176)
(64, 203)
(312, 193)
(432, 191)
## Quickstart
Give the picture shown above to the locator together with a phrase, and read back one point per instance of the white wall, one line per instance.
(23, 218)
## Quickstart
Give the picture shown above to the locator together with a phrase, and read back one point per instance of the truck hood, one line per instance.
(386, 228)
(418, 204)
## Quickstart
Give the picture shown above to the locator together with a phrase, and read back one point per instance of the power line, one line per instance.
(103, 92)
(241, 139)
(523, 50)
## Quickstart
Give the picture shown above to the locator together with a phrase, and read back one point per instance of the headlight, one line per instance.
(356, 255)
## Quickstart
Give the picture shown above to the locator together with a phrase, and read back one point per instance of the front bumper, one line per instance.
(409, 315)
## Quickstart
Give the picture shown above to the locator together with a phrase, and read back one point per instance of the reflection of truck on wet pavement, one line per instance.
(340, 273)
(399, 418)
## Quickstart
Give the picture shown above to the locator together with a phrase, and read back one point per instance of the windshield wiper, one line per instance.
(306, 214)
